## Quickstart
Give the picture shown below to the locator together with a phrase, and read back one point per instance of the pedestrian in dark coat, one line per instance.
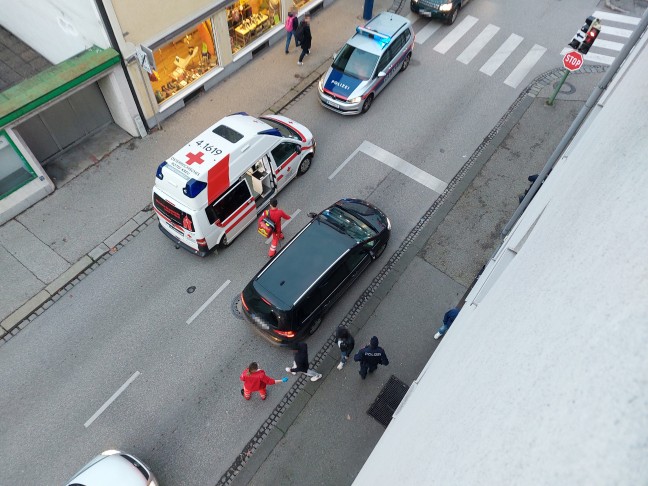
(370, 357)
(305, 39)
(346, 344)
(300, 365)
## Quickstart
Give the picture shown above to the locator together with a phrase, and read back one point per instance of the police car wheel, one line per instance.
(315, 326)
(406, 62)
(367, 103)
(305, 165)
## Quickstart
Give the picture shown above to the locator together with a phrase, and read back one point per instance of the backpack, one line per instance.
(289, 24)
(265, 225)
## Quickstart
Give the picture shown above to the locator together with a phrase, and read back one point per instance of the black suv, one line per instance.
(288, 298)
(446, 10)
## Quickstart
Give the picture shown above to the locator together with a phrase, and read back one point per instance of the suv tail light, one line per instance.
(288, 334)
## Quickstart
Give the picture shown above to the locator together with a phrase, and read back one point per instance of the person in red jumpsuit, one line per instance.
(276, 215)
(255, 380)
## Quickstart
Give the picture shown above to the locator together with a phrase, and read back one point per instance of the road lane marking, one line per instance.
(606, 44)
(615, 31)
(209, 301)
(425, 33)
(524, 66)
(478, 44)
(501, 55)
(396, 163)
(457, 33)
(591, 56)
(111, 399)
(292, 216)
(622, 19)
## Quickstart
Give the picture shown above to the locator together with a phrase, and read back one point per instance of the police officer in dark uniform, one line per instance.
(370, 357)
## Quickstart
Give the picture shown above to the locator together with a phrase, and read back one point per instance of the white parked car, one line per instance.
(114, 468)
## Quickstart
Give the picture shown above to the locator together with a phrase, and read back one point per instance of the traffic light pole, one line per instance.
(550, 101)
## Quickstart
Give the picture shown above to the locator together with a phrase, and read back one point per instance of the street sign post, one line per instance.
(572, 61)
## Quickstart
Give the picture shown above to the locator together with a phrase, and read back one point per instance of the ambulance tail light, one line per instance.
(202, 244)
(159, 173)
(193, 188)
(288, 334)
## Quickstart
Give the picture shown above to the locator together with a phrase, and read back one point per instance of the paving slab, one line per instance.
(18, 283)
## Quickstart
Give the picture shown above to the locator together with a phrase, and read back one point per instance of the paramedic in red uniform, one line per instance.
(276, 215)
(255, 380)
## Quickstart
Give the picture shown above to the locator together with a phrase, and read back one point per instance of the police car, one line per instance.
(366, 63)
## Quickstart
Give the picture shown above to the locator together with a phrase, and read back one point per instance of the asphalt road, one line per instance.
(127, 321)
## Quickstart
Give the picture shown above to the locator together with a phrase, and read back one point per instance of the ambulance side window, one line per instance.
(282, 152)
(233, 199)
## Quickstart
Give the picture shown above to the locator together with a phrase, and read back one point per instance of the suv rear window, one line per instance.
(346, 222)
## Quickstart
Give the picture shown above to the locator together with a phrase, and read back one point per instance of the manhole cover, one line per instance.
(237, 310)
(387, 401)
(191, 290)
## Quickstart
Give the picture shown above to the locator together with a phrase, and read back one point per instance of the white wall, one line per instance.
(545, 381)
(56, 29)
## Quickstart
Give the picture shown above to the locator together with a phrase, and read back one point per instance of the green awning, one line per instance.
(54, 81)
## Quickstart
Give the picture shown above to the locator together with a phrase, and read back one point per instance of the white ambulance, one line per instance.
(210, 190)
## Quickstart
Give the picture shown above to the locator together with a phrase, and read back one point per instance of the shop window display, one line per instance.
(184, 60)
(300, 3)
(15, 172)
(248, 19)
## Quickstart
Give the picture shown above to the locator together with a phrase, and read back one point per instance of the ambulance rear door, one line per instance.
(233, 211)
(286, 158)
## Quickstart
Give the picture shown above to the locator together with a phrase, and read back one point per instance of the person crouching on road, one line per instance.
(370, 357)
(276, 215)
(301, 362)
(255, 380)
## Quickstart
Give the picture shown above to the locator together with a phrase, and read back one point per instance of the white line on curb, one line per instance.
(111, 399)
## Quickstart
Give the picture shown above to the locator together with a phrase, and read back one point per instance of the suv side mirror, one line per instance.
(312, 215)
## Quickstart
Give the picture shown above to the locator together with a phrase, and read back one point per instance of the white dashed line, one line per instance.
(591, 56)
(621, 19)
(524, 66)
(457, 33)
(607, 30)
(209, 301)
(501, 55)
(425, 33)
(478, 44)
(111, 399)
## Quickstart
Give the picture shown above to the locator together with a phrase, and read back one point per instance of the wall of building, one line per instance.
(57, 32)
(544, 381)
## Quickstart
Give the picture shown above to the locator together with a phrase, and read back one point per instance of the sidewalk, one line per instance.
(321, 432)
(53, 245)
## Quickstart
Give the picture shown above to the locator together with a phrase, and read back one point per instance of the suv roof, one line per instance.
(303, 261)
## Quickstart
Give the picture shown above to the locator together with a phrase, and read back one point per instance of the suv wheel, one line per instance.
(315, 326)
(453, 16)
(367, 103)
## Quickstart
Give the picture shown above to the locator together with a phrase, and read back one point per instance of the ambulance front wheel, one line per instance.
(305, 164)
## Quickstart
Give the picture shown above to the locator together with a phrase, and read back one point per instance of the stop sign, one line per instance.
(573, 60)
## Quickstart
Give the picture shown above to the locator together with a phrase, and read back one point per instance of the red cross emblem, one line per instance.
(197, 158)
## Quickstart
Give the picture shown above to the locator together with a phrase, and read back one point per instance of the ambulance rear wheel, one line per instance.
(225, 242)
(305, 165)
(367, 103)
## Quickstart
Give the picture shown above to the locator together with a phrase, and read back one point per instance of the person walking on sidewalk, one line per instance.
(370, 357)
(255, 380)
(346, 344)
(448, 319)
(291, 24)
(304, 38)
(276, 215)
(300, 364)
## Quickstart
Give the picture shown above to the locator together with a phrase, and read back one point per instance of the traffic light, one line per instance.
(586, 36)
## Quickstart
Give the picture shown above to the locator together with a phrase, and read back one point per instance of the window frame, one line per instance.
(210, 210)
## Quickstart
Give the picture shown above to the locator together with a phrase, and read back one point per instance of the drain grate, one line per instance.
(387, 401)
(235, 307)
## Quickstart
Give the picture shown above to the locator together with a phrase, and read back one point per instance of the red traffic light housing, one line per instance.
(587, 34)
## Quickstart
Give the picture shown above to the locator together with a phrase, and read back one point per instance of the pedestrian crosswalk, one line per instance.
(615, 31)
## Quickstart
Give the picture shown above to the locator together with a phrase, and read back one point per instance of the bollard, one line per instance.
(368, 9)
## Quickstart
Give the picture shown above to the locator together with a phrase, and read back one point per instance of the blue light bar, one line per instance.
(158, 173)
(193, 188)
(382, 39)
